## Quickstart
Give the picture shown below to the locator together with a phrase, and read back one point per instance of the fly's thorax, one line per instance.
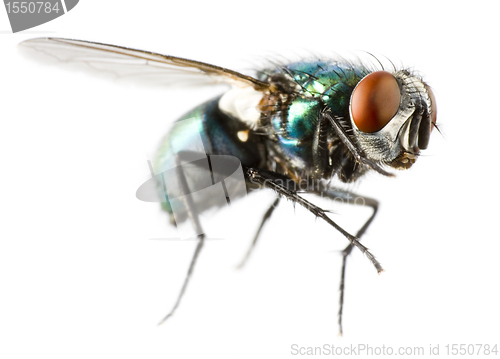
(291, 112)
(401, 104)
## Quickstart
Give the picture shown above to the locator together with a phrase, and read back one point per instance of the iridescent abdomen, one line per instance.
(220, 135)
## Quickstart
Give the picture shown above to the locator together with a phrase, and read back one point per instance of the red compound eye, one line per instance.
(375, 101)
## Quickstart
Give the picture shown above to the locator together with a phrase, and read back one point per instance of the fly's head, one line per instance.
(392, 116)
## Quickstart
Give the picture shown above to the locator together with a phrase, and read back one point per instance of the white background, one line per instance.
(80, 276)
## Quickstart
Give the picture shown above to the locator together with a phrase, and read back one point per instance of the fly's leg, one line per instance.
(345, 253)
(267, 215)
(193, 215)
(350, 198)
(358, 153)
(199, 246)
(275, 182)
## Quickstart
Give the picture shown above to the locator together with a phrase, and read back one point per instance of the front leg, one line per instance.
(349, 198)
(282, 187)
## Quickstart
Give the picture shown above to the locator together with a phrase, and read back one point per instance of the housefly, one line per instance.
(292, 129)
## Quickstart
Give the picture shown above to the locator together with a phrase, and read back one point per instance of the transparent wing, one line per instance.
(136, 65)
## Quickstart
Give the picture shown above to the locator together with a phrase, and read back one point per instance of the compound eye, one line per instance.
(375, 101)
